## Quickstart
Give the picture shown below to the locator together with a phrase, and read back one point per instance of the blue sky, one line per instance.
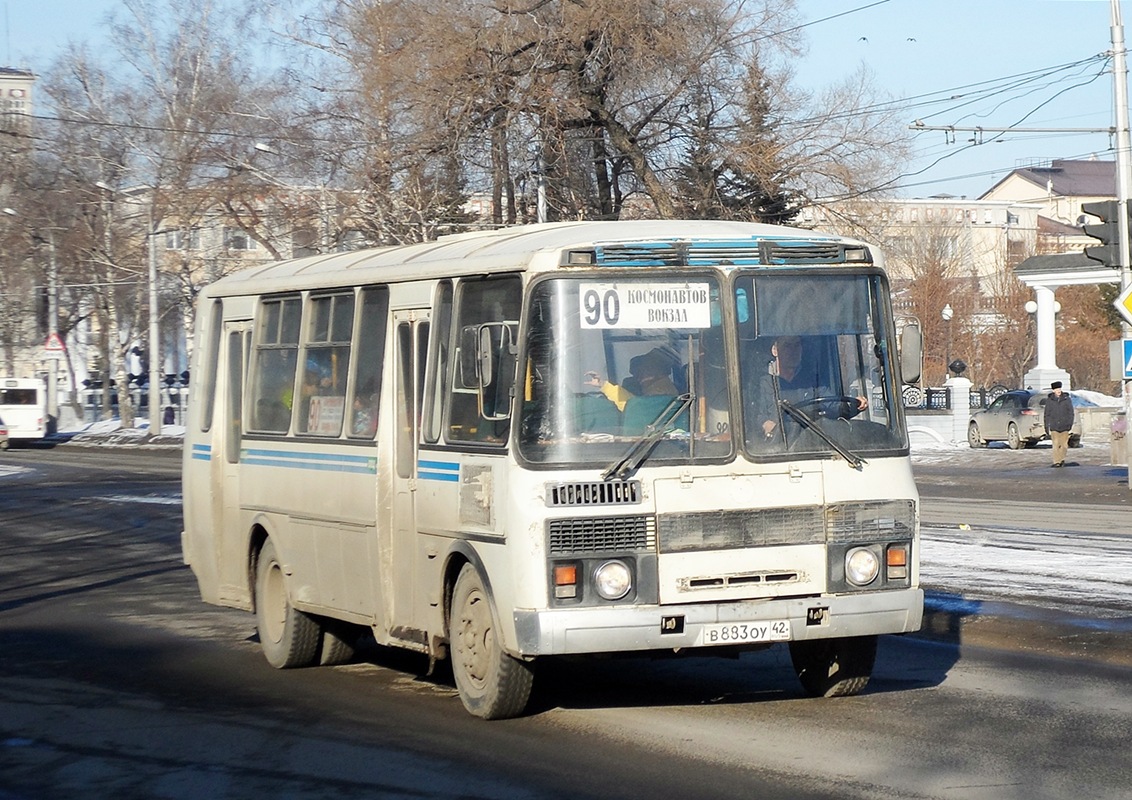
(926, 49)
(937, 49)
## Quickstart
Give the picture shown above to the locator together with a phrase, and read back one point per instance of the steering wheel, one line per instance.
(835, 406)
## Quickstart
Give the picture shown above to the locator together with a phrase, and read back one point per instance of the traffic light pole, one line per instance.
(1123, 187)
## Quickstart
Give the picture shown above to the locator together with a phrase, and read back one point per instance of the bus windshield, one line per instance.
(612, 361)
(613, 364)
(816, 365)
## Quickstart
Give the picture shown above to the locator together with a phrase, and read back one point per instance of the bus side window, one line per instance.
(478, 302)
(211, 366)
(436, 390)
(235, 388)
(276, 359)
(370, 339)
(322, 406)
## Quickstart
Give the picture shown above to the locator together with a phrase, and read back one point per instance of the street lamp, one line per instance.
(947, 313)
(154, 387)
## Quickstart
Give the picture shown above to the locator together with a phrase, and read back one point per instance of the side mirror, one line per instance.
(485, 358)
(911, 353)
(487, 365)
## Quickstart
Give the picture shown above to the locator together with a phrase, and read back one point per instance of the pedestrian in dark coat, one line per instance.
(1059, 421)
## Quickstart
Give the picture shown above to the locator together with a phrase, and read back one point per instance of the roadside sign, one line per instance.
(1127, 359)
(1120, 360)
(54, 348)
(1123, 303)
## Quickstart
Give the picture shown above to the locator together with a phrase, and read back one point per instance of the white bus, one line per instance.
(23, 408)
(506, 446)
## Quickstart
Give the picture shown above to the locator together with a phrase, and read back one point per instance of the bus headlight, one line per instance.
(861, 566)
(613, 580)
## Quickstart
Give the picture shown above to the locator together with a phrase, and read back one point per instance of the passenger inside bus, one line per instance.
(595, 410)
(652, 375)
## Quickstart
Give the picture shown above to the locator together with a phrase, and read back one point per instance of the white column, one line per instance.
(1047, 330)
(960, 407)
(1045, 371)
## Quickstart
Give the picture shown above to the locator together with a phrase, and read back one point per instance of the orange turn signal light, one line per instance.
(565, 581)
(896, 560)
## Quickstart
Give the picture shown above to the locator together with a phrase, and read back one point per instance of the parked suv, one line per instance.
(1017, 418)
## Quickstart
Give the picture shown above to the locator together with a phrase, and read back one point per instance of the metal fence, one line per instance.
(938, 398)
(174, 401)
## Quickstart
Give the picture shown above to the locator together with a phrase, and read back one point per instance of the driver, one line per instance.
(785, 380)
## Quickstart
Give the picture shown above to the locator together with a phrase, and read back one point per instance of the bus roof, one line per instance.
(492, 251)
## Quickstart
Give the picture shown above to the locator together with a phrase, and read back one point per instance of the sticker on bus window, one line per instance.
(325, 414)
(645, 305)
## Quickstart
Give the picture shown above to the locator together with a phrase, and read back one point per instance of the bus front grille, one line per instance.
(838, 523)
(593, 493)
(870, 521)
(600, 534)
(725, 530)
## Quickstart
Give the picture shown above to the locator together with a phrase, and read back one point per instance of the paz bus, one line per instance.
(23, 408)
(507, 446)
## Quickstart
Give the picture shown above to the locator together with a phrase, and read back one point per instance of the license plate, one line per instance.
(744, 632)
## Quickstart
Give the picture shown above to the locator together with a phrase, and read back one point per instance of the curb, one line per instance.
(965, 622)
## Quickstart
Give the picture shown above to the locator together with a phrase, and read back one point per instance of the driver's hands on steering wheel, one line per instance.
(862, 403)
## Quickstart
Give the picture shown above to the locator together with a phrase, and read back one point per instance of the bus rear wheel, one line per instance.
(491, 683)
(339, 642)
(289, 637)
(834, 667)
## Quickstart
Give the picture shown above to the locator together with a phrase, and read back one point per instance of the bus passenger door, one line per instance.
(226, 461)
(410, 347)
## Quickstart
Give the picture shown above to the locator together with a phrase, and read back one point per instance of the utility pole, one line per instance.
(52, 330)
(1123, 186)
(155, 370)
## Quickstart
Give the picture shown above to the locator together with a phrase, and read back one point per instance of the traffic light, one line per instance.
(1106, 231)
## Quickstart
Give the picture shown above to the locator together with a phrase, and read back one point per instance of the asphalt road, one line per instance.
(117, 682)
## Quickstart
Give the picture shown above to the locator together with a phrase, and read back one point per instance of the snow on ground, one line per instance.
(1043, 568)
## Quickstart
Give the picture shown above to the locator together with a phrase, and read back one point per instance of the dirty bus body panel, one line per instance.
(558, 439)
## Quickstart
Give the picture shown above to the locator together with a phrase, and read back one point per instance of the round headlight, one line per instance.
(861, 566)
(613, 580)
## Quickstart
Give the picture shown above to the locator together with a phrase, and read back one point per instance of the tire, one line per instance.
(289, 637)
(491, 683)
(1074, 441)
(339, 640)
(1012, 437)
(834, 667)
(973, 437)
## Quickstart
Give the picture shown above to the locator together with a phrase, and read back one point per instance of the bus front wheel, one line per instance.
(491, 683)
(834, 667)
(289, 637)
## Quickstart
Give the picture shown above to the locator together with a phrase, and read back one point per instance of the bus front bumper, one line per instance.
(639, 628)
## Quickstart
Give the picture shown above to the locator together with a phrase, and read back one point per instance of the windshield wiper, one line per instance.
(805, 420)
(629, 463)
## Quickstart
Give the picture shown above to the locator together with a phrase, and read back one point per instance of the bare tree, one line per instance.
(683, 103)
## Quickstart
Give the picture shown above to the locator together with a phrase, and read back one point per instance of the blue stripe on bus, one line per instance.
(322, 462)
(447, 471)
(202, 452)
